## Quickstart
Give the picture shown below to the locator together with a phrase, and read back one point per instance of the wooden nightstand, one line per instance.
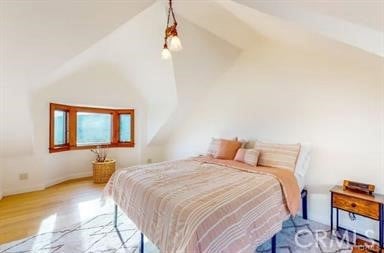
(370, 206)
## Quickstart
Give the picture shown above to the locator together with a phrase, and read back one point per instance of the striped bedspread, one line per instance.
(196, 206)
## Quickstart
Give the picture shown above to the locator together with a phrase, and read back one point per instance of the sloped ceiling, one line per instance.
(36, 37)
(48, 39)
(367, 13)
(357, 23)
(213, 17)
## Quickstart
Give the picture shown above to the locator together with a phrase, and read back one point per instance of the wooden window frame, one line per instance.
(71, 129)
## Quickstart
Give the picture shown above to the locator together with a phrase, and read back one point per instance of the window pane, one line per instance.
(60, 127)
(93, 128)
(125, 128)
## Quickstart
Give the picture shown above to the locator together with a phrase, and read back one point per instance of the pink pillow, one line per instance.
(240, 155)
(227, 149)
(248, 156)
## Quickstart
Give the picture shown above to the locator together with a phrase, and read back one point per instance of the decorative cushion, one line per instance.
(248, 156)
(240, 155)
(282, 156)
(214, 146)
(227, 149)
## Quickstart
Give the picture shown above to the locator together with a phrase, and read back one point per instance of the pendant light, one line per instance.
(165, 53)
(171, 38)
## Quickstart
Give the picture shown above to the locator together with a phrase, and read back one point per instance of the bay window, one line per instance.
(79, 127)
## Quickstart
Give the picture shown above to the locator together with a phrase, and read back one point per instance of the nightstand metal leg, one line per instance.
(381, 226)
(304, 203)
(337, 219)
(331, 214)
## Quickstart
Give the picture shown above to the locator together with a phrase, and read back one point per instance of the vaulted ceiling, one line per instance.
(356, 23)
(43, 41)
(37, 37)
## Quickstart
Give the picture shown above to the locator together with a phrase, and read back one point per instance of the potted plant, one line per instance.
(103, 168)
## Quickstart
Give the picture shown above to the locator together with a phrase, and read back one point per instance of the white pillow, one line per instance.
(213, 147)
(302, 164)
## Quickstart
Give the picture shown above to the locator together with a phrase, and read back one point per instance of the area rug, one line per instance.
(98, 235)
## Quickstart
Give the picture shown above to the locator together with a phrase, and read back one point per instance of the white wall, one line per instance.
(97, 84)
(56, 32)
(103, 75)
(204, 58)
(1, 179)
(331, 98)
(2, 114)
(122, 70)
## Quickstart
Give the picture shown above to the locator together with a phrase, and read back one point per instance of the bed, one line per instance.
(205, 204)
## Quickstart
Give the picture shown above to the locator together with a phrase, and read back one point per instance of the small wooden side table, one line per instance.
(369, 206)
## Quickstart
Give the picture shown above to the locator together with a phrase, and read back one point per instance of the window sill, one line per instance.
(113, 145)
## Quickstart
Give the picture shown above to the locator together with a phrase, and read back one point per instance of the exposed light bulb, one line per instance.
(175, 44)
(165, 54)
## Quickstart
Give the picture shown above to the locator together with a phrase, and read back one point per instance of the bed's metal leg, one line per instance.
(304, 194)
(273, 244)
(141, 234)
(141, 243)
(115, 217)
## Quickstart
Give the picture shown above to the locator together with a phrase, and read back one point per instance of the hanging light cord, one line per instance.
(170, 11)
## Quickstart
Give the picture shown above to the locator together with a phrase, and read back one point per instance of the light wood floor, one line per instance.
(63, 204)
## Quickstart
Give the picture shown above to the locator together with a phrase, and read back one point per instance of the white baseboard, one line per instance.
(68, 177)
(18, 190)
(50, 182)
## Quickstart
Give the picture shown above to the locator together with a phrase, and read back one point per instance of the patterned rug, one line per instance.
(98, 235)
